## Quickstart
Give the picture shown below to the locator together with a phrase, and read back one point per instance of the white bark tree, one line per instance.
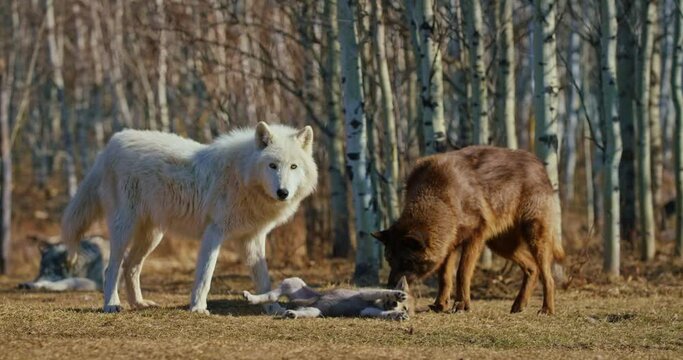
(646, 210)
(430, 73)
(391, 171)
(162, 67)
(677, 95)
(367, 254)
(610, 122)
(546, 91)
(505, 79)
(339, 207)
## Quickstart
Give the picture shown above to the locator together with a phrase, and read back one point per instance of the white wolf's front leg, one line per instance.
(206, 263)
(255, 259)
(374, 312)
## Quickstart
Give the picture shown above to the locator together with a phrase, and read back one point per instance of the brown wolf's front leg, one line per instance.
(468, 261)
(445, 283)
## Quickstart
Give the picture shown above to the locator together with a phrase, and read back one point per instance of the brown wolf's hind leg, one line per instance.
(540, 244)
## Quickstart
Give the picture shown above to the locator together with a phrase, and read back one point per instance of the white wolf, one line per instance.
(147, 183)
(378, 303)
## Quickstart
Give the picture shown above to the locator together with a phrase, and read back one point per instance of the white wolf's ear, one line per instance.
(305, 137)
(263, 135)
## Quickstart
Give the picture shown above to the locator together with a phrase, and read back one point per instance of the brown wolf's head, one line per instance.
(407, 254)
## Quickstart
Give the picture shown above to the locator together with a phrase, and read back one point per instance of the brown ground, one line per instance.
(637, 316)
(634, 318)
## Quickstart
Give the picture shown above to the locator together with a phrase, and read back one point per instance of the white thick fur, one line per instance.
(147, 183)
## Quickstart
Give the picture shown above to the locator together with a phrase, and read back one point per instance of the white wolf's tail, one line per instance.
(83, 209)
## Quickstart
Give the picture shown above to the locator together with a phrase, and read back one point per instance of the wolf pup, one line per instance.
(475, 197)
(378, 303)
(55, 275)
(147, 183)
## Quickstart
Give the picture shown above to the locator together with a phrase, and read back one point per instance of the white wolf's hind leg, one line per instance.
(120, 229)
(145, 241)
(302, 312)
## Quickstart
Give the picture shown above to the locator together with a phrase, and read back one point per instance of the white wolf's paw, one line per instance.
(289, 314)
(198, 310)
(398, 316)
(112, 308)
(143, 304)
(398, 295)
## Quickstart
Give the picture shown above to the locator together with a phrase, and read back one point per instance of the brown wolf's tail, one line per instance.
(83, 209)
(557, 249)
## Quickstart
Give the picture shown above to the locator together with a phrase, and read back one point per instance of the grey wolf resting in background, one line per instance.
(147, 183)
(85, 275)
(378, 303)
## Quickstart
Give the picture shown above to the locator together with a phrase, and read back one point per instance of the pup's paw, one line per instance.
(274, 309)
(144, 304)
(400, 296)
(248, 296)
(289, 314)
(26, 286)
(398, 316)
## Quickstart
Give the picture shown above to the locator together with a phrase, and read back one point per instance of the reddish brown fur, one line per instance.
(470, 198)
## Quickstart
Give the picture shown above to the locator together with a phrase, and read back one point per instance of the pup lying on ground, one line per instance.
(378, 303)
(85, 275)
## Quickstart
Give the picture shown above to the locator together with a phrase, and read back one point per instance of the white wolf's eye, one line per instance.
(273, 165)
(294, 166)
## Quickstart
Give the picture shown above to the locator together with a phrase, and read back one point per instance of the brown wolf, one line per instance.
(469, 198)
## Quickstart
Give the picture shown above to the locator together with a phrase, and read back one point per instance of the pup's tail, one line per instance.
(83, 209)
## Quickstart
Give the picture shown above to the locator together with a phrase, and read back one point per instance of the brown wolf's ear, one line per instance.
(380, 235)
(305, 137)
(403, 285)
(264, 136)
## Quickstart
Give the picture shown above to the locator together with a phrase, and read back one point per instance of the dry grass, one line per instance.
(634, 319)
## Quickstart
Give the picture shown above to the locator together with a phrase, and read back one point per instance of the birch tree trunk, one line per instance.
(367, 255)
(655, 118)
(219, 99)
(246, 66)
(626, 59)
(6, 82)
(80, 94)
(96, 43)
(677, 95)
(479, 99)
(430, 74)
(339, 207)
(573, 111)
(546, 92)
(162, 68)
(58, 81)
(610, 121)
(505, 80)
(391, 171)
(646, 212)
(117, 46)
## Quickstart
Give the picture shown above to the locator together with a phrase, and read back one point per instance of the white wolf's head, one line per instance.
(285, 166)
